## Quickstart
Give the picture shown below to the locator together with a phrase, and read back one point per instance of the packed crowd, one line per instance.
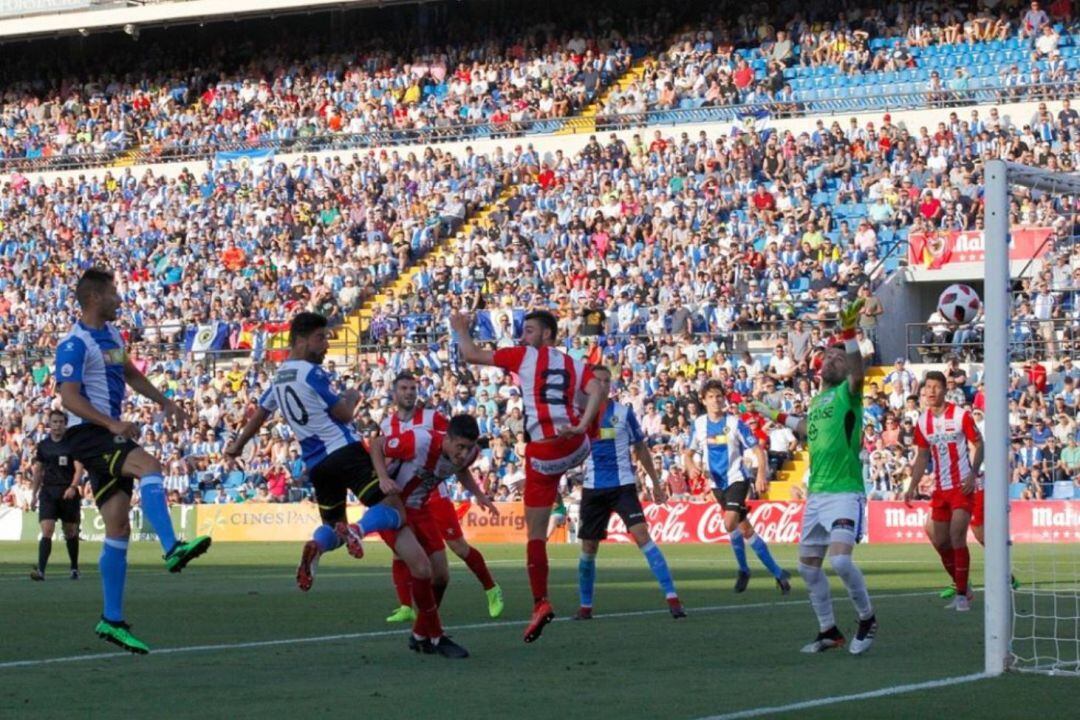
(310, 84)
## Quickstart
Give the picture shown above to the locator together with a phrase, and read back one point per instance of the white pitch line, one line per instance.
(834, 699)
(399, 632)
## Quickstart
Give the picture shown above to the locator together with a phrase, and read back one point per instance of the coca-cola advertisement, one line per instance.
(1029, 521)
(681, 522)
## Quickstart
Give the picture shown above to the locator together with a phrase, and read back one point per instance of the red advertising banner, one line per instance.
(1030, 521)
(680, 522)
(935, 250)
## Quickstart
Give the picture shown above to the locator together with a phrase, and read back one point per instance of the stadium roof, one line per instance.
(163, 14)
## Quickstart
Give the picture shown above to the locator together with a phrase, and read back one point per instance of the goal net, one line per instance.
(1031, 361)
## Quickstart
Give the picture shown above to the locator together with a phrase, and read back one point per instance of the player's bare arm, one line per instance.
(250, 429)
(378, 461)
(645, 459)
(465, 477)
(762, 483)
(797, 425)
(461, 325)
(142, 385)
(72, 490)
(976, 467)
(918, 469)
(74, 402)
(595, 391)
(345, 407)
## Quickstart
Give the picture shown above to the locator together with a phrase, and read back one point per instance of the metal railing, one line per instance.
(1028, 340)
(389, 137)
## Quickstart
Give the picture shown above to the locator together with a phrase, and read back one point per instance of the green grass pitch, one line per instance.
(330, 653)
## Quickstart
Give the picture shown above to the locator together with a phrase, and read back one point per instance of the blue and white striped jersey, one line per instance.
(721, 444)
(95, 359)
(301, 390)
(609, 464)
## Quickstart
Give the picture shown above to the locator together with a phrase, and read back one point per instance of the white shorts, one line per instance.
(829, 518)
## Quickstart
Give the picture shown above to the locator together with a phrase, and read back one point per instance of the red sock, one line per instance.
(962, 563)
(479, 568)
(427, 612)
(400, 572)
(536, 553)
(948, 559)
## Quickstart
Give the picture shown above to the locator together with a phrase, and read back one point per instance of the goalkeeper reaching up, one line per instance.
(832, 521)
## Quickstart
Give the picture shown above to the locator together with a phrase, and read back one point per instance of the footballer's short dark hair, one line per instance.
(465, 427)
(93, 280)
(305, 323)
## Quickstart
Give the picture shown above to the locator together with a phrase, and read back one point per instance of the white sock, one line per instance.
(820, 596)
(854, 582)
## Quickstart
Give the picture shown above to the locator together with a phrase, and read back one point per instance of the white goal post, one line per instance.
(999, 176)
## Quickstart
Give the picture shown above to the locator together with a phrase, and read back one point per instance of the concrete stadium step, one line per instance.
(790, 476)
(358, 321)
(585, 121)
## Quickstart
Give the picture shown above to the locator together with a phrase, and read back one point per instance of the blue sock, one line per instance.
(761, 549)
(380, 517)
(113, 566)
(326, 538)
(586, 577)
(738, 546)
(659, 568)
(156, 510)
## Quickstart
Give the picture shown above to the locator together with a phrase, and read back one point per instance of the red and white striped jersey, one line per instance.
(947, 436)
(422, 466)
(552, 387)
(422, 417)
(427, 418)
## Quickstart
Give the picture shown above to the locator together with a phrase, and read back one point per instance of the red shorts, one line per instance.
(944, 502)
(978, 512)
(445, 516)
(546, 461)
(422, 523)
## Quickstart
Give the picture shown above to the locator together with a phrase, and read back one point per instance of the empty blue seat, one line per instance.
(1063, 490)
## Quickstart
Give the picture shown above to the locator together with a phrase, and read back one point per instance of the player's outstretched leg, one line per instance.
(399, 571)
(660, 570)
(475, 561)
(761, 549)
(829, 636)
(155, 509)
(855, 583)
(323, 540)
(378, 518)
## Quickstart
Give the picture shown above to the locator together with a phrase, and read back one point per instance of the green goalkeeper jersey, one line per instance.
(834, 431)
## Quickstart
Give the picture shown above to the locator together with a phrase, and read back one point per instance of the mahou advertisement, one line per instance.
(1029, 522)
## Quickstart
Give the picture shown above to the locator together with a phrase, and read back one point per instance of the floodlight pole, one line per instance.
(997, 606)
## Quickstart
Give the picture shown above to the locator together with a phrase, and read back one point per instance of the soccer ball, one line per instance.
(959, 304)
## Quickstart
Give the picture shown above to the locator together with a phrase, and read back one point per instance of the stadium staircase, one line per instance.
(793, 472)
(585, 121)
(357, 322)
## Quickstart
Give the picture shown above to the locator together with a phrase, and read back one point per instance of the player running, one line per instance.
(92, 374)
(421, 460)
(562, 400)
(56, 481)
(409, 415)
(720, 439)
(335, 459)
(832, 519)
(611, 486)
(947, 434)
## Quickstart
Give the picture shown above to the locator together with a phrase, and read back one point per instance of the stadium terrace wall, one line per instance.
(1017, 113)
(674, 522)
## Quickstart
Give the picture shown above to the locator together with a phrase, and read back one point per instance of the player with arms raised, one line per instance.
(947, 434)
(406, 416)
(832, 520)
(562, 400)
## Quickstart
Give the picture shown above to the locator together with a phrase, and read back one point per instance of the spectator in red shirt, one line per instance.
(744, 75)
(930, 207)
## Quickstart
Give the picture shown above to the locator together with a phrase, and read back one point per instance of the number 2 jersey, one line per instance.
(301, 391)
(421, 464)
(552, 387)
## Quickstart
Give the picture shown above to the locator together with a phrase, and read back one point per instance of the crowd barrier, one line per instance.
(675, 522)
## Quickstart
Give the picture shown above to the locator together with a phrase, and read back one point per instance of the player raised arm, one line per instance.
(849, 319)
(461, 335)
(236, 447)
(797, 425)
(344, 409)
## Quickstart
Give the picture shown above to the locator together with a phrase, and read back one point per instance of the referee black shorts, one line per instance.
(103, 455)
(598, 504)
(347, 468)
(53, 506)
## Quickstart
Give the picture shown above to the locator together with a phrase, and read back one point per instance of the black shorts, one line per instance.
(347, 468)
(598, 504)
(53, 506)
(733, 498)
(103, 455)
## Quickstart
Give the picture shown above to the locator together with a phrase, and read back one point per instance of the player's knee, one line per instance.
(841, 564)
(809, 569)
(589, 547)
(640, 532)
(419, 568)
(459, 548)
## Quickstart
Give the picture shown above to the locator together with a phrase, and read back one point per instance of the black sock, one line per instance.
(73, 551)
(44, 549)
